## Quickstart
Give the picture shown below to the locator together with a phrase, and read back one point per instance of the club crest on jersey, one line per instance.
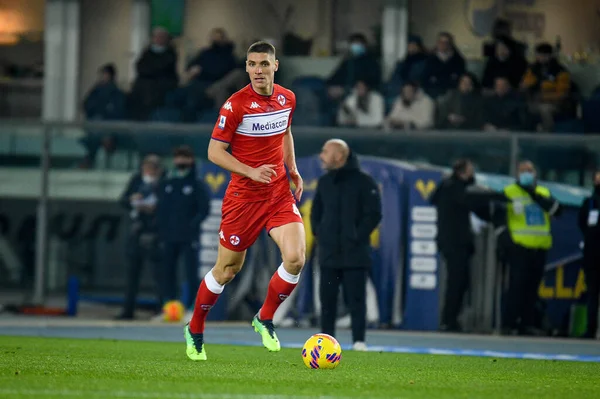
(222, 120)
(228, 106)
(281, 99)
(234, 240)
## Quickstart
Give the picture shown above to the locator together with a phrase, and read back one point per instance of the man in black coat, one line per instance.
(345, 211)
(184, 202)
(589, 224)
(140, 200)
(455, 238)
(156, 76)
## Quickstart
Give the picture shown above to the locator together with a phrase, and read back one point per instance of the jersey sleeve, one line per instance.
(293, 102)
(227, 122)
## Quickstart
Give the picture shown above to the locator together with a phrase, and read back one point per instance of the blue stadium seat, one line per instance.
(591, 116)
(311, 101)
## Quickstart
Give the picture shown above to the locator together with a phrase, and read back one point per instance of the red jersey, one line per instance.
(254, 126)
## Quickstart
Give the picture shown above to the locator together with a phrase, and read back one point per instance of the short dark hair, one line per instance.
(110, 70)
(262, 47)
(358, 37)
(460, 166)
(544, 48)
(183, 151)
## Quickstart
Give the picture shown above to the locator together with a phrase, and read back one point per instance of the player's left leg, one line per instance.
(291, 240)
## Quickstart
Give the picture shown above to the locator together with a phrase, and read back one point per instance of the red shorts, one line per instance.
(242, 222)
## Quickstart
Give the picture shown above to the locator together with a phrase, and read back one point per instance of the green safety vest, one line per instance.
(528, 223)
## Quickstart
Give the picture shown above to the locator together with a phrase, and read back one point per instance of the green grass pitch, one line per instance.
(76, 368)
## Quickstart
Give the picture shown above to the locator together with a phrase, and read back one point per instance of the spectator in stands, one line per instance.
(359, 64)
(504, 62)
(462, 108)
(105, 101)
(215, 73)
(140, 200)
(549, 85)
(183, 203)
(411, 67)
(365, 107)
(506, 109)
(443, 68)
(503, 29)
(156, 76)
(412, 110)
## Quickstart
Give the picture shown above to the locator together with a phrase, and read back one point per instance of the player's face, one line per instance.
(261, 68)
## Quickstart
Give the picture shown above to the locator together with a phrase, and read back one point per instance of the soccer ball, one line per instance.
(321, 351)
(173, 311)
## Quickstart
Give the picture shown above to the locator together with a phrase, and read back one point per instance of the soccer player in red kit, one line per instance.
(255, 124)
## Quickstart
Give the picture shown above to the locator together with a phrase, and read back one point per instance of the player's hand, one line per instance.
(263, 173)
(297, 180)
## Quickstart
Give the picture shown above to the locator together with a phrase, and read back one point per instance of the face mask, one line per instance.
(182, 169)
(148, 179)
(157, 48)
(526, 179)
(357, 49)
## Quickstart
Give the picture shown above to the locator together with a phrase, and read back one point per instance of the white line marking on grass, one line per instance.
(150, 395)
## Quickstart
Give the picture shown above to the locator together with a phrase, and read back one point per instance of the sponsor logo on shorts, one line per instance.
(295, 210)
(281, 99)
(234, 240)
(283, 297)
(221, 235)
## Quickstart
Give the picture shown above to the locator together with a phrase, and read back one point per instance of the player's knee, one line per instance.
(225, 273)
(295, 262)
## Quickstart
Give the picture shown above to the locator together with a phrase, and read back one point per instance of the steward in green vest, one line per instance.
(529, 212)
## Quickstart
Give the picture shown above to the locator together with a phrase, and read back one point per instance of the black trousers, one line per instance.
(354, 286)
(172, 252)
(526, 270)
(591, 267)
(458, 265)
(141, 248)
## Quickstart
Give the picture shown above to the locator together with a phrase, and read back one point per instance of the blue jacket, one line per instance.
(141, 222)
(183, 203)
(105, 101)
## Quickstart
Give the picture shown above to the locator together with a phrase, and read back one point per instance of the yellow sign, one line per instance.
(559, 291)
(425, 188)
(215, 181)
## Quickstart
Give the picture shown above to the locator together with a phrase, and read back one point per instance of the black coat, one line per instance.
(440, 76)
(453, 215)
(215, 62)
(141, 222)
(353, 69)
(183, 203)
(591, 234)
(345, 211)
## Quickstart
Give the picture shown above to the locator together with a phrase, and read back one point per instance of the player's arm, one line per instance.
(289, 158)
(218, 154)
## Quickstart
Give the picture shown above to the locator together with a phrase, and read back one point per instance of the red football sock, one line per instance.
(205, 300)
(280, 287)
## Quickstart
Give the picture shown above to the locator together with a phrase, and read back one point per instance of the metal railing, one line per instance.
(507, 147)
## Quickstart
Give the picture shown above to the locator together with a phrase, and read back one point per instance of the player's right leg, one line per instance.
(229, 263)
